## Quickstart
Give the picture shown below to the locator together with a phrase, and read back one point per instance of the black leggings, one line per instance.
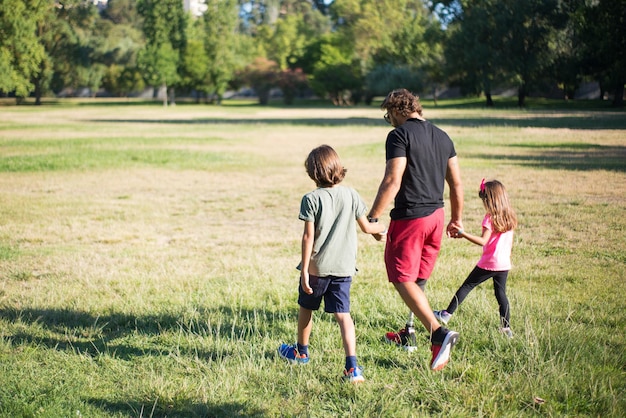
(476, 277)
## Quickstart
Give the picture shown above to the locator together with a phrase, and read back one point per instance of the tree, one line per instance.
(291, 82)
(527, 29)
(226, 49)
(601, 32)
(336, 75)
(164, 23)
(195, 61)
(501, 39)
(473, 49)
(262, 76)
(21, 54)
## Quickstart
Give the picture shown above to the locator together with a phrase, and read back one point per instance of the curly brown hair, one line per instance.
(402, 101)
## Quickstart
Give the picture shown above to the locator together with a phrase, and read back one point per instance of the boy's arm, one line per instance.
(308, 236)
(370, 227)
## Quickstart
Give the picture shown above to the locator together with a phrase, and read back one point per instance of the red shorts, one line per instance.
(413, 246)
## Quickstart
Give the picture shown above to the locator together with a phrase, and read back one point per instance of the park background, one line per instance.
(344, 51)
(148, 252)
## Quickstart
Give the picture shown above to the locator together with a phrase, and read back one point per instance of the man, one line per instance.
(420, 159)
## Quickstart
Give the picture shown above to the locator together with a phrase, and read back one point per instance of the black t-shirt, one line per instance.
(427, 149)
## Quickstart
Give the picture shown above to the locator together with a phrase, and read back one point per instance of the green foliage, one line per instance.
(223, 45)
(262, 75)
(21, 55)
(384, 78)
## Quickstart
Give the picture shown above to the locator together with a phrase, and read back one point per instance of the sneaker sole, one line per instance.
(452, 337)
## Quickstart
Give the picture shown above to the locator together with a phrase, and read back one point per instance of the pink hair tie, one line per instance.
(482, 185)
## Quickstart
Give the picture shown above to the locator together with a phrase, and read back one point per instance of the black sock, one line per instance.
(439, 335)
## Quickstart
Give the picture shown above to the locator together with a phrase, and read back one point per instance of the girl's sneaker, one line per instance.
(507, 331)
(354, 375)
(290, 353)
(442, 316)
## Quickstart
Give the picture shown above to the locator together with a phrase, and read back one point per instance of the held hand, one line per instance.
(379, 236)
(453, 230)
(304, 282)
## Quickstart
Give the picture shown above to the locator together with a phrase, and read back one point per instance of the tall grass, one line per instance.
(147, 265)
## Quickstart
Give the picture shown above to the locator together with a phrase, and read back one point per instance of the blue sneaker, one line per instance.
(290, 353)
(354, 375)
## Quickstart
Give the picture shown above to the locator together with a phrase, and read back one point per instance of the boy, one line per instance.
(329, 246)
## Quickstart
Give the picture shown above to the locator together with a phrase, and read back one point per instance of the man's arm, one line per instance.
(389, 186)
(453, 178)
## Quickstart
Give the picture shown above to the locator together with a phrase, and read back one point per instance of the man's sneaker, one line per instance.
(441, 353)
(507, 331)
(398, 338)
(442, 316)
(290, 353)
(354, 375)
(402, 338)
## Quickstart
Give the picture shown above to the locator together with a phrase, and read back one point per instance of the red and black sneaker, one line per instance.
(441, 352)
(401, 338)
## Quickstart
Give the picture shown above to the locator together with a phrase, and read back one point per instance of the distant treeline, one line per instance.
(347, 51)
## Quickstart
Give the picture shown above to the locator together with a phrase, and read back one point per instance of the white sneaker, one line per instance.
(507, 331)
(442, 316)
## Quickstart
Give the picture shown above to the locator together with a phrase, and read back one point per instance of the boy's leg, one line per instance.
(305, 325)
(348, 333)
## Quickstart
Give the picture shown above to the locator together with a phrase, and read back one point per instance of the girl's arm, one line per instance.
(482, 240)
(308, 236)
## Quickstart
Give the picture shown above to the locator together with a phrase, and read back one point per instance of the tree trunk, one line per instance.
(172, 96)
(489, 99)
(38, 93)
(521, 96)
(618, 100)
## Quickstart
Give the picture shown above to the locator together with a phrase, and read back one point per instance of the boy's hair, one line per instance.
(496, 201)
(402, 101)
(324, 167)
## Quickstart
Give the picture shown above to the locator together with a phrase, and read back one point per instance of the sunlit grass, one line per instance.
(148, 254)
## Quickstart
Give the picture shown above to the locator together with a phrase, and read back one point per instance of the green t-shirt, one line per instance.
(334, 211)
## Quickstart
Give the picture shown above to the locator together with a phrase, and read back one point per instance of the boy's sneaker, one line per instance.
(507, 331)
(441, 352)
(354, 375)
(442, 316)
(290, 353)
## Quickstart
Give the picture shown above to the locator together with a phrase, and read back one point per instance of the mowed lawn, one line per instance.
(148, 254)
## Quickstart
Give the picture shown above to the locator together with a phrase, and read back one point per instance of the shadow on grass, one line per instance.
(575, 157)
(592, 121)
(184, 409)
(112, 335)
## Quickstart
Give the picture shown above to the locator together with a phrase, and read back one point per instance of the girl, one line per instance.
(497, 241)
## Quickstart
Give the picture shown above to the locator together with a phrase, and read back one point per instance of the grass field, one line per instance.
(148, 254)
